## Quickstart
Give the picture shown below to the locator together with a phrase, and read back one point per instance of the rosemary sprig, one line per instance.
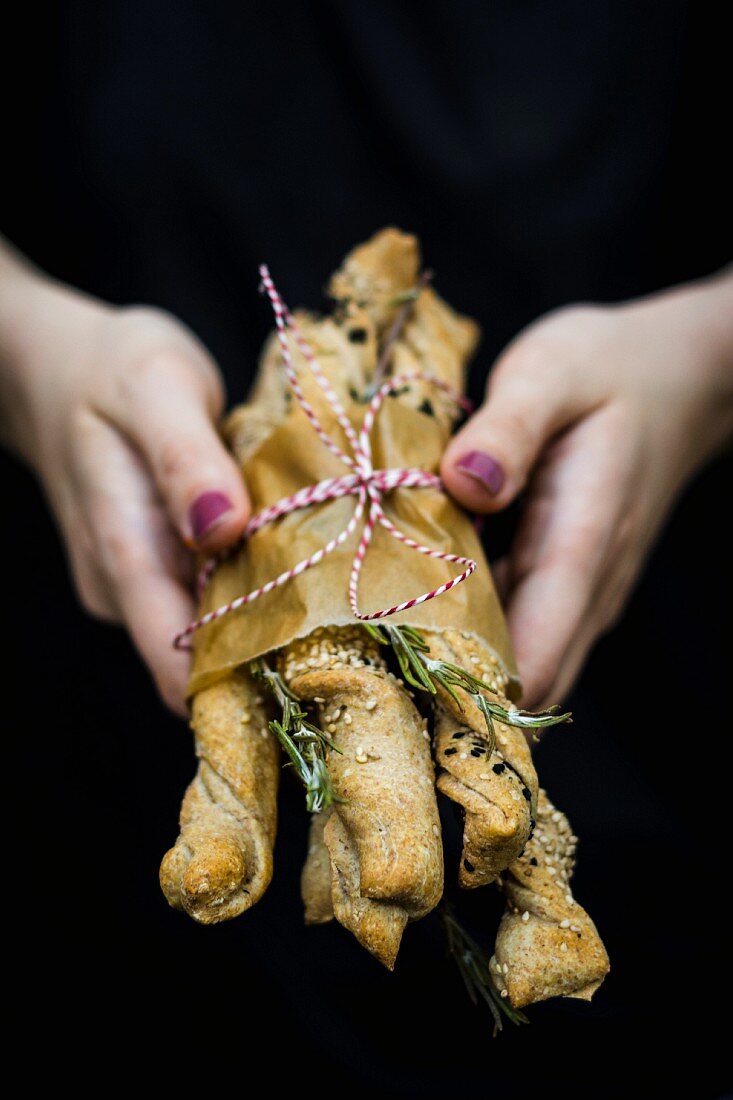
(304, 743)
(425, 673)
(473, 965)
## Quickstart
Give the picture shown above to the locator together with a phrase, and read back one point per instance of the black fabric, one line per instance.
(545, 153)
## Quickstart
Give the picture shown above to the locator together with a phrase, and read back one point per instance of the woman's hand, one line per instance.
(600, 414)
(116, 411)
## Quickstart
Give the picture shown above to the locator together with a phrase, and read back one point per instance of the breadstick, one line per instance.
(497, 793)
(547, 945)
(221, 863)
(315, 880)
(383, 839)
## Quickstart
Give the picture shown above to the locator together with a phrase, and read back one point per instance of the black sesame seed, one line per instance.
(427, 407)
(527, 793)
(476, 752)
(533, 861)
(469, 866)
(450, 752)
(521, 854)
(498, 768)
(358, 336)
(461, 733)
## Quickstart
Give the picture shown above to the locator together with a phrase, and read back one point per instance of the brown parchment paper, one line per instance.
(291, 457)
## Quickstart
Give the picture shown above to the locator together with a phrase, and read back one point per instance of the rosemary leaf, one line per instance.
(473, 966)
(303, 742)
(425, 673)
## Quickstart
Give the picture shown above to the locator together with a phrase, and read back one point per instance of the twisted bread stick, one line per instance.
(498, 794)
(547, 945)
(383, 839)
(221, 863)
(315, 880)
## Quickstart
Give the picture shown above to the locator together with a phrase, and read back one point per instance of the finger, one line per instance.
(136, 551)
(155, 608)
(544, 612)
(567, 540)
(92, 590)
(169, 412)
(91, 586)
(529, 400)
(602, 615)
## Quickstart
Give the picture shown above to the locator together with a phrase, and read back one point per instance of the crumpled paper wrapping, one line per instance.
(291, 457)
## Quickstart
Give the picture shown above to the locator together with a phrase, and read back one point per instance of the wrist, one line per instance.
(710, 328)
(692, 327)
(42, 326)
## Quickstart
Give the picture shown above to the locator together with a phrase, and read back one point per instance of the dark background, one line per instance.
(545, 153)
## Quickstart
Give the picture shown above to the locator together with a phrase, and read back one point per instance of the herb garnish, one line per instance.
(304, 743)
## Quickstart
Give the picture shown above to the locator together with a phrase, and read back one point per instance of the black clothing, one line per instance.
(545, 153)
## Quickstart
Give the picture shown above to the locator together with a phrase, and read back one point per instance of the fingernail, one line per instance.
(483, 468)
(206, 511)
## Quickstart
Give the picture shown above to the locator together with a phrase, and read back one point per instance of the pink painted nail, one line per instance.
(483, 468)
(206, 511)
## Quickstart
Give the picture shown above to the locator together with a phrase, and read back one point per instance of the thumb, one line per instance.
(171, 420)
(488, 462)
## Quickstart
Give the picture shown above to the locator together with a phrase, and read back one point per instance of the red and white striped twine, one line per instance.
(363, 482)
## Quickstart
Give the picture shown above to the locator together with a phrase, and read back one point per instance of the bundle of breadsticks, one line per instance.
(376, 717)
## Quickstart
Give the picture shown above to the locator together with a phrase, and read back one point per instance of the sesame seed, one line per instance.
(505, 968)
(331, 728)
(361, 758)
(370, 704)
(569, 899)
(474, 659)
(565, 923)
(525, 916)
(484, 775)
(463, 756)
(504, 993)
(347, 719)
(563, 947)
(436, 830)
